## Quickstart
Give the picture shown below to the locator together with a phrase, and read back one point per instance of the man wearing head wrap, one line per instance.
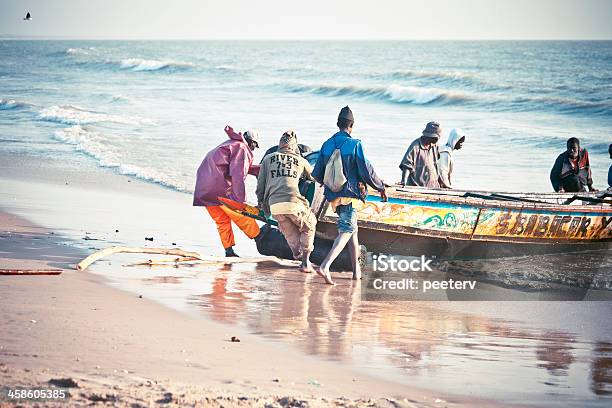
(456, 138)
(359, 174)
(278, 194)
(420, 163)
(222, 174)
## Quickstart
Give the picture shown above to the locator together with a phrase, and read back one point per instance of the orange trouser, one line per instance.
(223, 217)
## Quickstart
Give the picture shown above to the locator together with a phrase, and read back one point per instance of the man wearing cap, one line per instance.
(359, 174)
(222, 174)
(420, 163)
(278, 194)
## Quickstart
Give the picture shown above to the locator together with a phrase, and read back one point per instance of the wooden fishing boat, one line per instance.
(475, 224)
(456, 224)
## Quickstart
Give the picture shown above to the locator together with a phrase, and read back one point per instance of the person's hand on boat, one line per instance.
(383, 196)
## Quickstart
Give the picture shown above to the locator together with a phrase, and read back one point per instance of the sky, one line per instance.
(309, 19)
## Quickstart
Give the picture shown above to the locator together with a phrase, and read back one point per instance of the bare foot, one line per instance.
(325, 275)
(306, 269)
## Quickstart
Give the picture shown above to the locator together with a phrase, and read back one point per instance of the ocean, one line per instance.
(152, 109)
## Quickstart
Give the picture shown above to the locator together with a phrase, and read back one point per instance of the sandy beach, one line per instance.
(145, 336)
(126, 349)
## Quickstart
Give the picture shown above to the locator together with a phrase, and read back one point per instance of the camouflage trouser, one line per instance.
(299, 231)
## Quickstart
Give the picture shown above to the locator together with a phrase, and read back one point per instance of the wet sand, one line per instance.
(310, 336)
(124, 348)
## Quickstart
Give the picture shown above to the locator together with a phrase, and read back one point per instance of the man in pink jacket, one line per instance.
(222, 174)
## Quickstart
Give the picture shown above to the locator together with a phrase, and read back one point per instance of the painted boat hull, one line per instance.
(451, 226)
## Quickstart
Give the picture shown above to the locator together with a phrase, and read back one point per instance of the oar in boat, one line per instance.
(468, 194)
(511, 198)
(501, 197)
(594, 200)
(248, 210)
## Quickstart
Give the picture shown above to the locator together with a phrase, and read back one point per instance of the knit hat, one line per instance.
(289, 141)
(432, 129)
(347, 114)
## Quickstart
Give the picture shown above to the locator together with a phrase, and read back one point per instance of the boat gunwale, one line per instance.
(479, 203)
(458, 192)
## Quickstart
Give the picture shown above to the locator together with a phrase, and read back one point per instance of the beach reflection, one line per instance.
(601, 372)
(414, 342)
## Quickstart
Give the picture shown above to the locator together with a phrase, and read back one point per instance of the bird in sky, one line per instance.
(28, 17)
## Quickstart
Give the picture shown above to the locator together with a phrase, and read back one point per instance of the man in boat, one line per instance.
(420, 163)
(572, 171)
(456, 138)
(358, 173)
(222, 174)
(278, 194)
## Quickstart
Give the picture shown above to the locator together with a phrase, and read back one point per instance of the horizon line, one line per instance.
(102, 38)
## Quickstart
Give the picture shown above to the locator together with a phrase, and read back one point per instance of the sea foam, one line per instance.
(74, 115)
(138, 64)
(80, 51)
(391, 93)
(98, 146)
(8, 104)
(88, 142)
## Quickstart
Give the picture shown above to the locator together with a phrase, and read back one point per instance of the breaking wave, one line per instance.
(455, 78)
(138, 64)
(73, 115)
(392, 93)
(8, 104)
(88, 142)
(80, 51)
(97, 146)
(94, 57)
(438, 96)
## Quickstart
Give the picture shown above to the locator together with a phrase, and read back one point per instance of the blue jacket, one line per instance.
(357, 169)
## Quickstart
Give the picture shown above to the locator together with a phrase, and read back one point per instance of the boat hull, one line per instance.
(456, 227)
(387, 242)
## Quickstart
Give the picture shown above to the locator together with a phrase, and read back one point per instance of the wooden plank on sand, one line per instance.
(30, 271)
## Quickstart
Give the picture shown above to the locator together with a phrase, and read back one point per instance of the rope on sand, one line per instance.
(84, 264)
